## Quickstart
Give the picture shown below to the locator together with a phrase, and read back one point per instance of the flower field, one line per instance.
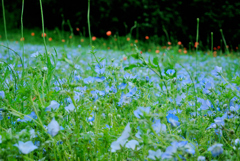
(82, 103)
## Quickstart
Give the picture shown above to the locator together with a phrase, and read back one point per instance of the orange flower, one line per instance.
(32, 34)
(179, 43)
(94, 38)
(0, 36)
(169, 43)
(157, 51)
(149, 50)
(63, 40)
(49, 39)
(185, 51)
(77, 29)
(180, 50)
(214, 48)
(108, 48)
(104, 44)
(108, 33)
(33, 98)
(70, 36)
(227, 46)
(44, 34)
(215, 53)
(146, 37)
(236, 47)
(196, 44)
(22, 39)
(115, 39)
(140, 52)
(136, 41)
(124, 58)
(82, 40)
(218, 47)
(128, 39)
(131, 44)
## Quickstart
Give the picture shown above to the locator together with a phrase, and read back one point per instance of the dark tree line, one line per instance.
(153, 17)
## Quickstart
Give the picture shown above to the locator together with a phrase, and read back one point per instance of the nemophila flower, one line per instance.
(99, 70)
(129, 76)
(201, 158)
(154, 154)
(88, 80)
(132, 144)
(217, 70)
(173, 120)
(190, 148)
(29, 117)
(70, 107)
(91, 118)
(180, 98)
(26, 147)
(158, 127)
(116, 145)
(100, 79)
(219, 121)
(138, 134)
(205, 104)
(216, 149)
(168, 154)
(122, 86)
(140, 110)
(53, 106)
(125, 99)
(2, 94)
(35, 54)
(32, 133)
(0, 139)
(170, 72)
(212, 126)
(53, 127)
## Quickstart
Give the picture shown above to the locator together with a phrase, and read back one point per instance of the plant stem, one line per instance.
(88, 18)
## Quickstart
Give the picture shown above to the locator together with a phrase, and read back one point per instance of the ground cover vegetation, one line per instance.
(120, 98)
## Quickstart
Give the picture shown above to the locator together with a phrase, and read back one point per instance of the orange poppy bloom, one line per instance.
(146, 37)
(124, 58)
(236, 47)
(108, 48)
(196, 44)
(94, 38)
(131, 44)
(108, 33)
(214, 48)
(49, 39)
(179, 43)
(169, 43)
(63, 40)
(140, 52)
(77, 29)
(180, 50)
(185, 51)
(218, 47)
(82, 40)
(70, 36)
(136, 41)
(128, 39)
(44, 34)
(227, 46)
(22, 39)
(157, 51)
(215, 53)
(32, 34)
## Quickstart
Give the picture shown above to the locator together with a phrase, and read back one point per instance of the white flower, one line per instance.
(32, 133)
(201, 158)
(53, 127)
(45, 68)
(216, 149)
(70, 107)
(25, 148)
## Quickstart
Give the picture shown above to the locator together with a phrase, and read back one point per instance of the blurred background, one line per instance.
(155, 18)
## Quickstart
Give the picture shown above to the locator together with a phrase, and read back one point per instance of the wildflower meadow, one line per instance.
(88, 98)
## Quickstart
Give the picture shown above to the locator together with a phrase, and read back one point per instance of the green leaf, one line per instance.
(135, 56)
(132, 66)
(155, 60)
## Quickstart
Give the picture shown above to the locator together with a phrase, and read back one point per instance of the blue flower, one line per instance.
(27, 147)
(201, 158)
(88, 80)
(170, 72)
(29, 117)
(0, 139)
(2, 94)
(216, 71)
(132, 144)
(53, 127)
(70, 107)
(140, 110)
(180, 98)
(53, 106)
(216, 149)
(173, 120)
(100, 79)
(122, 85)
(158, 127)
(154, 154)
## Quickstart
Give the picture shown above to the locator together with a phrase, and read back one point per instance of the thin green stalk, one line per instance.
(224, 41)
(212, 42)
(164, 29)
(135, 25)
(88, 18)
(44, 40)
(5, 25)
(22, 38)
(197, 42)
